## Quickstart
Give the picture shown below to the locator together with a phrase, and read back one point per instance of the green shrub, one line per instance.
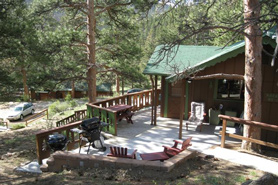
(73, 103)
(59, 107)
(68, 97)
(18, 100)
(18, 126)
(53, 107)
(25, 98)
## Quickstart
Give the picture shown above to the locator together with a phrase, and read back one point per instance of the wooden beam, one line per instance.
(152, 98)
(219, 76)
(155, 98)
(251, 123)
(251, 140)
(223, 136)
(162, 104)
(182, 107)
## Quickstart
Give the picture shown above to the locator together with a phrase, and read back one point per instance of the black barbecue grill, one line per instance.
(57, 142)
(91, 132)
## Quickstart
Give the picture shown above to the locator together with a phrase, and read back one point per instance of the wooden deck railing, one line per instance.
(78, 115)
(246, 122)
(41, 138)
(5, 123)
(36, 116)
(137, 100)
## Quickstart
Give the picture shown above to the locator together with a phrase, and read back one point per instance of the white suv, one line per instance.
(20, 111)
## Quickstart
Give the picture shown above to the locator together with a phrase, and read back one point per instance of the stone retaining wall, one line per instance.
(60, 160)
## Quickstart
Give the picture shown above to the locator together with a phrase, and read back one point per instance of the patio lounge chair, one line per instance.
(196, 116)
(121, 152)
(174, 150)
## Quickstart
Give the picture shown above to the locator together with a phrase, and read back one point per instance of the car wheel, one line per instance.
(33, 111)
(21, 117)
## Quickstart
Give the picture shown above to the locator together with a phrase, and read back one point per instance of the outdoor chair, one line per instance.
(174, 150)
(121, 152)
(197, 114)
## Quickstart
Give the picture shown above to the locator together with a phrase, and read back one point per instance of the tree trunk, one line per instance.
(72, 90)
(24, 80)
(117, 83)
(253, 72)
(123, 86)
(91, 74)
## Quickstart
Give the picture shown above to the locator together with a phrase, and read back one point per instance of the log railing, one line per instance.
(5, 123)
(41, 138)
(246, 122)
(36, 116)
(137, 100)
(78, 115)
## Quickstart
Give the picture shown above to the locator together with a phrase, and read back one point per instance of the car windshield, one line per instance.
(18, 109)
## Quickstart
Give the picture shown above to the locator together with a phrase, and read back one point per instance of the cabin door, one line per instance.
(174, 100)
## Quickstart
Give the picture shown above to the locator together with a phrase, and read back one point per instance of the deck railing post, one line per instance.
(223, 135)
(115, 123)
(39, 148)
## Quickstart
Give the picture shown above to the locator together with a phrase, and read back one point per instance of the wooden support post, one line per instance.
(182, 107)
(115, 123)
(162, 103)
(39, 148)
(152, 98)
(46, 113)
(123, 86)
(223, 136)
(155, 98)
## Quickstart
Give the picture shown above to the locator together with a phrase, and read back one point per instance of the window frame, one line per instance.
(216, 97)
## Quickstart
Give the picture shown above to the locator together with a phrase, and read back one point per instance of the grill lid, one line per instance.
(90, 124)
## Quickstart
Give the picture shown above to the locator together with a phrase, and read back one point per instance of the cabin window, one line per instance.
(230, 89)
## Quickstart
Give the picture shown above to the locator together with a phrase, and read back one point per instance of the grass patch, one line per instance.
(11, 141)
(18, 140)
(215, 180)
(240, 178)
(17, 126)
(253, 173)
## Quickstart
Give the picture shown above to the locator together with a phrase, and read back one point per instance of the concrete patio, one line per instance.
(147, 138)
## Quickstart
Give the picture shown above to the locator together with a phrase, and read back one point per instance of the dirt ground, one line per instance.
(18, 147)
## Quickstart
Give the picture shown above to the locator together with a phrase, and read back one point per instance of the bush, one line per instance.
(68, 97)
(18, 126)
(73, 103)
(25, 98)
(57, 107)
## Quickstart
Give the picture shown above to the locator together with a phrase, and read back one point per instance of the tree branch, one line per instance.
(218, 76)
(110, 7)
(105, 49)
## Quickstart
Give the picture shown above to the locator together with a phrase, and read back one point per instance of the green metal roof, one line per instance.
(105, 87)
(186, 57)
(271, 32)
(194, 58)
